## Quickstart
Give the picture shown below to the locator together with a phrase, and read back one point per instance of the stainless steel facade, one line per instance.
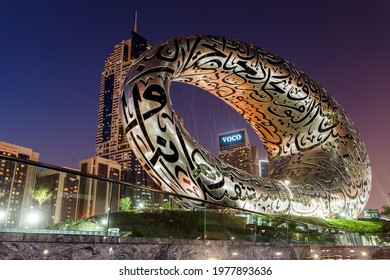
(318, 162)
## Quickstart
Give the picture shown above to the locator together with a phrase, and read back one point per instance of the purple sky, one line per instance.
(52, 55)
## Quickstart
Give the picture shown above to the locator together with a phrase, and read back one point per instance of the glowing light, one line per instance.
(33, 218)
(3, 215)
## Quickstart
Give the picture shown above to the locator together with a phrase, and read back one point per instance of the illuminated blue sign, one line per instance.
(371, 213)
(231, 139)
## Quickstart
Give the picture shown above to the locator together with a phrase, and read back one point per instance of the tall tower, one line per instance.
(263, 168)
(236, 150)
(111, 141)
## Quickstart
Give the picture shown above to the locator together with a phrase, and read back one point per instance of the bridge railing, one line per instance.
(41, 198)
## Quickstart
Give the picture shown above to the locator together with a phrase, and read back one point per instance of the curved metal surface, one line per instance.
(318, 162)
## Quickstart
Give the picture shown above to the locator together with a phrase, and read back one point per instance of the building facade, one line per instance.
(263, 168)
(111, 141)
(236, 150)
(64, 190)
(16, 180)
(97, 197)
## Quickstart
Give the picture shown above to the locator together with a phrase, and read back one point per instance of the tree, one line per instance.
(41, 195)
(386, 211)
(167, 205)
(125, 203)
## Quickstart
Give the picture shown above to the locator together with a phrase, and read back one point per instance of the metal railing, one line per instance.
(41, 198)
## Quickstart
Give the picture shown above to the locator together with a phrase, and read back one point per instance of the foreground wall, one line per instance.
(27, 246)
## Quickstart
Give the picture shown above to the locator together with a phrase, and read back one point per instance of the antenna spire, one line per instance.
(135, 22)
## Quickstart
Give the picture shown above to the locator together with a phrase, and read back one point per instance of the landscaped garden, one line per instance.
(218, 225)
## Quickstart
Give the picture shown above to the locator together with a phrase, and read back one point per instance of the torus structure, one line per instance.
(318, 162)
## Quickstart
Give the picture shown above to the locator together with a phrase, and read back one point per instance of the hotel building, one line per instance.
(16, 180)
(236, 150)
(64, 190)
(111, 142)
(95, 196)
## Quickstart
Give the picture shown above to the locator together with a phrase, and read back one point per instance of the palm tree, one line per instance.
(125, 203)
(41, 195)
(386, 211)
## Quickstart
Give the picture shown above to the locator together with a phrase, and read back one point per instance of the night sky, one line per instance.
(52, 55)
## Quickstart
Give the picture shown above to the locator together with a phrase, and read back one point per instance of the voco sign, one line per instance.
(232, 138)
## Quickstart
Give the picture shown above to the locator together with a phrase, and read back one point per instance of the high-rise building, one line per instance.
(16, 181)
(255, 160)
(236, 150)
(63, 189)
(111, 142)
(263, 168)
(95, 196)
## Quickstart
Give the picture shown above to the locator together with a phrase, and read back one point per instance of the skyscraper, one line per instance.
(16, 180)
(111, 141)
(263, 168)
(236, 150)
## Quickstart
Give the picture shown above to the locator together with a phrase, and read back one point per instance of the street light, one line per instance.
(3, 216)
(33, 218)
(104, 221)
